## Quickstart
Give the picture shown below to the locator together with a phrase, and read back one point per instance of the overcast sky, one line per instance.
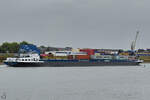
(76, 23)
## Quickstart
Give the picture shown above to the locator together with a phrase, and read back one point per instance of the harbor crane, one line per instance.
(133, 45)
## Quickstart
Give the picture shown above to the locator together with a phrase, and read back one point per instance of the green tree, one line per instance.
(24, 43)
(13, 47)
(5, 47)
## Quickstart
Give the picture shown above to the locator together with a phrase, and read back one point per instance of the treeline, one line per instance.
(13, 47)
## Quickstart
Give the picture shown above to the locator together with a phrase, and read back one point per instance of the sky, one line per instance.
(76, 23)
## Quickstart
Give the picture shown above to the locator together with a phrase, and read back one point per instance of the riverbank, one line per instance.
(4, 56)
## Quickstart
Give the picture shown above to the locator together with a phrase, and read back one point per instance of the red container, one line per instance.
(70, 57)
(79, 57)
(43, 55)
(88, 51)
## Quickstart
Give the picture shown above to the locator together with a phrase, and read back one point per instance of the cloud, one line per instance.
(77, 23)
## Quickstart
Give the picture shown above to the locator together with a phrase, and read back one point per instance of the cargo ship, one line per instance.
(29, 56)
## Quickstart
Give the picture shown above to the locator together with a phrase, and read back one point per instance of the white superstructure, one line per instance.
(26, 58)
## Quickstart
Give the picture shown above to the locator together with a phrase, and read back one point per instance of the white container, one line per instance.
(101, 57)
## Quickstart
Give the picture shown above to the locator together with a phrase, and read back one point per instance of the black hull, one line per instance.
(71, 64)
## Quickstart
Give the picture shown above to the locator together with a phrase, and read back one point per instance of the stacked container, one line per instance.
(88, 51)
(70, 57)
(101, 57)
(121, 57)
(82, 57)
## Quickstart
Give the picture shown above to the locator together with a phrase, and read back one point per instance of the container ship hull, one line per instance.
(71, 63)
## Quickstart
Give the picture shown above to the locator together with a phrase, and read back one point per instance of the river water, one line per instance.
(75, 83)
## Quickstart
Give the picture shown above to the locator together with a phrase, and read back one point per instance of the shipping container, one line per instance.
(124, 54)
(88, 51)
(75, 50)
(78, 53)
(97, 54)
(70, 57)
(81, 57)
(61, 57)
(43, 55)
(122, 57)
(132, 57)
(55, 57)
(59, 53)
(101, 57)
